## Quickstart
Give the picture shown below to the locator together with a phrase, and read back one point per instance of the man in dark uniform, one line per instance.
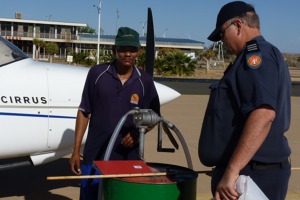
(110, 91)
(248, 111)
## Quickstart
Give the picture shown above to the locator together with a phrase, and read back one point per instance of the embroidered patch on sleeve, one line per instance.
(253, 55)
(254, 61)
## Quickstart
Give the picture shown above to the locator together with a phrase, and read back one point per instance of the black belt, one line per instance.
(254, 165)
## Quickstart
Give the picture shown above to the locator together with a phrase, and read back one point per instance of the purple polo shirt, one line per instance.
(108, 100)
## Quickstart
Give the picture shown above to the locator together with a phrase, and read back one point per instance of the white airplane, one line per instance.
(38, 106)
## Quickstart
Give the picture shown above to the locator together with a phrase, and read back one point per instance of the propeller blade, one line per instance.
(150, 44)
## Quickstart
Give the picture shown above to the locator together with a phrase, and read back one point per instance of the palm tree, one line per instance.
(106, 57)
(141, 59)
(176, 63)
(87, 29)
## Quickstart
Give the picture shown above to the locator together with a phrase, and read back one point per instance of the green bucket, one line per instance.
(181, 184)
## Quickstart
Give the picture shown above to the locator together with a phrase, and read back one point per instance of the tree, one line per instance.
(164, 51)
(78, 58)
(87, 29)
(207, 56)
(108, 57)
(51, 48)
(175, 63)
(38, 43)
(83, 58)
(70, 50)
(141, 60)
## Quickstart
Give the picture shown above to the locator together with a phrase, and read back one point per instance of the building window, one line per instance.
(6, 29)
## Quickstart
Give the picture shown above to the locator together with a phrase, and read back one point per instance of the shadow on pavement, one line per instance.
(31, 182)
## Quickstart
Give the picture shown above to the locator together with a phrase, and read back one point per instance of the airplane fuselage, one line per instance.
(38, 107)
(39, 103)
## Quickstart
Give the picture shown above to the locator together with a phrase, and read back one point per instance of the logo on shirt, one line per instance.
(135, 99)
(254, 61)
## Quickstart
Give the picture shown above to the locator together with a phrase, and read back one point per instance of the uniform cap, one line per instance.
(229, 11)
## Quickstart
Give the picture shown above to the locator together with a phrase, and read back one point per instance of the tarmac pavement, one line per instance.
(186, 113)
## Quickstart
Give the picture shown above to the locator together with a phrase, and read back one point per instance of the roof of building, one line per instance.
(158, 39)
(43, 22)
(109, 39)
(171, 42)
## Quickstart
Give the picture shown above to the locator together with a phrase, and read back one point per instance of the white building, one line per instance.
(22, 32)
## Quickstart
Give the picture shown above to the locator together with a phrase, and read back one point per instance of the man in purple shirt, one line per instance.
(110, 91)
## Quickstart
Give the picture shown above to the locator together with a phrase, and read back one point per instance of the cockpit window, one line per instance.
(9, 52)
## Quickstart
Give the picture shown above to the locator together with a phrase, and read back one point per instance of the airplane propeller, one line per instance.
(150, 44)
(150, 57)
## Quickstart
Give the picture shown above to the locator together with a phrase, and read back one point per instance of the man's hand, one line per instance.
(75, 163)
(129, 140)
(225, 189)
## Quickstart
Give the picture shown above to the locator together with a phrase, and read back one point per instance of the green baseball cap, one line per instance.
(127, 37)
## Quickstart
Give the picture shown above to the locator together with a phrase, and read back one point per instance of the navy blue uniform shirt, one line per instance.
(108, 100)
(244, 87)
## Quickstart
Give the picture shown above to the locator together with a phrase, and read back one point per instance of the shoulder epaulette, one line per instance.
(253, 55)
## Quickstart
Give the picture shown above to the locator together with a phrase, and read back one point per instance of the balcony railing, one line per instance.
(38, 35)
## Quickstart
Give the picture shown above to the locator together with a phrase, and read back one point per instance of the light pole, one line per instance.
(48, 17)
(117, 18)
(99, 29)
(188, 35)
(165, 32)
(143, 25)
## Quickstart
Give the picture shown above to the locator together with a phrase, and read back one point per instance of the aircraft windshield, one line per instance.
(9, 52)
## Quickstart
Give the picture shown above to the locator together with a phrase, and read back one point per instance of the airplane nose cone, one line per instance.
(166, 94)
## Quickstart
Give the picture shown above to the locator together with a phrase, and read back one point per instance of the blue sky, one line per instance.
(193, 19)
